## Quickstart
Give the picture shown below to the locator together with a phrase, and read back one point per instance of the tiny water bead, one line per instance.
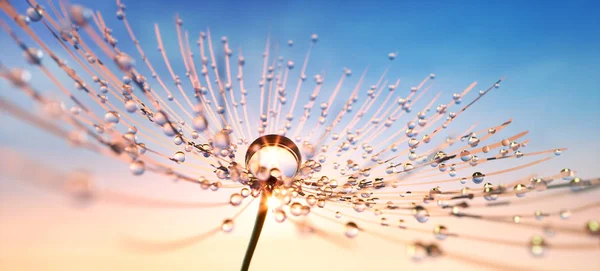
(351, 229)
(245, 192)
(420, 213)
(517, 219)
(440, 232)
(296, 209)
(418, 251)
(359, 205)
(236, 199)
(567, 174)
(137, 167)
(112, 117)
(478, 177)
(280, 216)
(593, 227)
(565, 214)
(227, 225)
(537, 245)
(179, 157)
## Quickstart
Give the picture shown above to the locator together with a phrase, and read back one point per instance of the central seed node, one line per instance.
(273, 156)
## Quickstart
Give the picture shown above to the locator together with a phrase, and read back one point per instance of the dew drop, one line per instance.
(517, 219)
(478, 177)
(565, 214)
(137, 167)
(245, 192)
(593, 227)
(227, 225)
(420, 213)
(567, 174)
(179, 157)
(296, 209)
(280, 216)
(131, 106)
(200, 123)
(359, 205)
(440, 232)
(351, 229)
(221, 140)
(576, 184)
(465, 155)
(35, 14)
(236, 199)
(111, 117)
(537, 245)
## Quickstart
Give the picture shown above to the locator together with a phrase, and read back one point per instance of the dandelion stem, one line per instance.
(258, 224)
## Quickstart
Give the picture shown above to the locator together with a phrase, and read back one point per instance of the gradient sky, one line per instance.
(548, 51)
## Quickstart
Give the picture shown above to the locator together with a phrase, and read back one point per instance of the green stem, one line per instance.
(258, 224)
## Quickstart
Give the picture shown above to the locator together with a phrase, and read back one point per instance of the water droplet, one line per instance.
(576, 184)
(130, 106)
(280, 216)
(137, 167)
(236, 199)
(537, 245)
(520, 190)
(227, 225)
(416, 251)
(440, 232)
(160, 118)
(124, 62)
(539, 184)
(200, 123)
(593, 227)
(245, 192)
(465, 155)
(179, 157)
(420, 213)
(517, 219)
(359, 205)
(567, 174)
(80, 15)
(111, 117)
(35, 14)
(351, 229)
(478, 177)
(565, 214)
(221, 140)
(296, 209)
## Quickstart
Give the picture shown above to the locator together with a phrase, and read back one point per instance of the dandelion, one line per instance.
(367, 156)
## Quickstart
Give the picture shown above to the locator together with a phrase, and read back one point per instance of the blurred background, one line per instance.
(548, 51)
